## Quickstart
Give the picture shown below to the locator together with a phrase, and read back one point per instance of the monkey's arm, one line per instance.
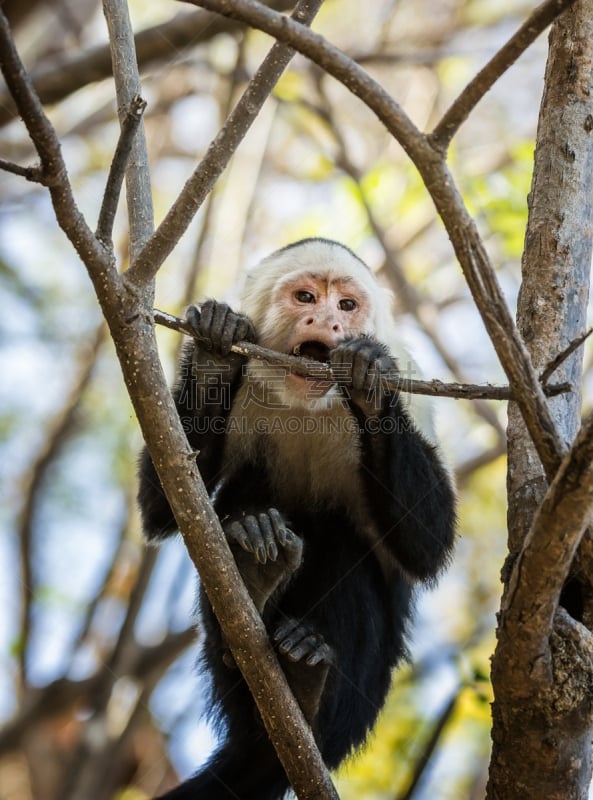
(408, 488)
(410, 493)
(208, 378)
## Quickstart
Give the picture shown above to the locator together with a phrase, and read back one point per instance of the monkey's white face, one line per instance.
(310, 314)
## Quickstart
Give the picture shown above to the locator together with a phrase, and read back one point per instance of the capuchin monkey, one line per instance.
(332, 494)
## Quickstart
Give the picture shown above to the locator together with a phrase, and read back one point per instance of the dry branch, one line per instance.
(118, 167)
(32, 174)
(439, 182)
(126, 310)
(314, 369)
(558, 360)
(423, 310)
(218, 155)
(74, 71)
(132, 137)
(504, 58)
(554, 536)
(57, 433)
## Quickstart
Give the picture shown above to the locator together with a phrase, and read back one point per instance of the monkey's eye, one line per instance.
(347, 304)
(304, 297)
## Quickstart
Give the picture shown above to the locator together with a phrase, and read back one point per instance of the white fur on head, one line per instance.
(326, 256)
(312, 255)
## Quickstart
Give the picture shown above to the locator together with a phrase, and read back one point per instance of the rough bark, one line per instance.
(542, 722)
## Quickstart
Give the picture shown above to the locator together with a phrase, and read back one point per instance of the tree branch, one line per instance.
(129, 126)
(439, 182)
(219, 153)
(422, 763)
(58, 430)
(558, 360)
(127, 87)
(423, 310)
(544, 562)
(462, 107)
(186, 30)
(33, 174)
(52, 164)
(133, 334)
(399, 382)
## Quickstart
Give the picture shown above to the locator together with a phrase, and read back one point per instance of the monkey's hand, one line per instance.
(267, 552)
(218, 327)
(361, 367)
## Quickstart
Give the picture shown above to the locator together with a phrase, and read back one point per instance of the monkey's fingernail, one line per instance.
(272, 552)
(261, 554)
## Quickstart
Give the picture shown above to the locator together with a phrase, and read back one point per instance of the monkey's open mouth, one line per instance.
(318, 351)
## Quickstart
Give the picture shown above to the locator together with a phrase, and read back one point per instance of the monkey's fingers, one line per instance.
(298, 641)
(218, 326)
(278, 524)
(261, 534)
(268, 536)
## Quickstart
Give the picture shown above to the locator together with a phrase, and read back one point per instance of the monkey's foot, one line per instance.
(266, 536)
(265, 550)
(306, 663)
(298, 641)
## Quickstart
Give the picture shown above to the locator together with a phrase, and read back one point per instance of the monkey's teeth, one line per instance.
(297, 350)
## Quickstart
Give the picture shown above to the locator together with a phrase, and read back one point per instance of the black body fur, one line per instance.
(341, 569)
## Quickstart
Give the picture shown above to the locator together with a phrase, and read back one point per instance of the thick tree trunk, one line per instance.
(542, 727)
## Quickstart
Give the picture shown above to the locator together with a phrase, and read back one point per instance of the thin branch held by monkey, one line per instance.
(402, 382)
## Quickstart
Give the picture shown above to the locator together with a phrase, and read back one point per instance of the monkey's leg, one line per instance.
(306, 662)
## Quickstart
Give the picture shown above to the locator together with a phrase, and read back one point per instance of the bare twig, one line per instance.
(75, 70)
(33, 174)
(440, 724)
(314, 369)
(127, 88)
(562, 356)
(556, 531)
(48, 148)
(129, 126)
(461, 108)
